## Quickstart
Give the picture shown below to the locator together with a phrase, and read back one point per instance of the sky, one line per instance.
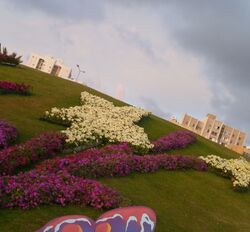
(168, 56)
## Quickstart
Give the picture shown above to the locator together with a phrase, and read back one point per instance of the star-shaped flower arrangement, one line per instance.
(98, 121)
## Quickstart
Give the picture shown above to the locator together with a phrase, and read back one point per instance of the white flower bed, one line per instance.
(98, 120)
(237, 169)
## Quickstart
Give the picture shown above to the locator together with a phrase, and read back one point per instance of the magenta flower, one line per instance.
(8, 134)
(66, 180)
(39, 148)
(94, 163)
(174, 140)
(34, 188)
(12, 87)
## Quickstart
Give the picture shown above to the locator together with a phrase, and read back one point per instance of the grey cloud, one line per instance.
(152, 106)
(140, 42)
(64, 9)
(133, 38)
(219, 32)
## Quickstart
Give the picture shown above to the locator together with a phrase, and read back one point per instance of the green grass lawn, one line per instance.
(183, 201)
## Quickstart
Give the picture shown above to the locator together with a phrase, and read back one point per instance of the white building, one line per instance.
(49, 64)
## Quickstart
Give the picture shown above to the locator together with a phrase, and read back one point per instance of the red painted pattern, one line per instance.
(128, 219)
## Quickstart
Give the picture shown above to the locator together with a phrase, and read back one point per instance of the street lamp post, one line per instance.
(79, 71)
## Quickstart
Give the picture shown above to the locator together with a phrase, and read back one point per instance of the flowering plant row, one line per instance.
(34, 188)
(174, 140)
(34, 150)
(63, 180)
(8, 134)
(96, 163)
(236, 169)
(12, 87)
(99, 121)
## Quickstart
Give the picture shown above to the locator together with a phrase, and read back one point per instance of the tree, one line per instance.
(11, 59)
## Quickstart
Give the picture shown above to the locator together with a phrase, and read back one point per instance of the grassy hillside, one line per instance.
(183, 201)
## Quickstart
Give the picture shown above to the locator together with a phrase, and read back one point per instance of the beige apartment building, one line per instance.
(215, 130)
(49, 64)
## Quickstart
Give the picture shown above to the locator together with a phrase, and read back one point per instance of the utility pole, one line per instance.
(79, 72)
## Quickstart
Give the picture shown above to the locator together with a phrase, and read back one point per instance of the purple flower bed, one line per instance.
(174, 140)
(43, 146)
(8, 134)
(65, 180)
(12, 87)
(31, 189)
(96, 163)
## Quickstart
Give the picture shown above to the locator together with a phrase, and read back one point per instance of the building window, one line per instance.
(218, 127)
(56, 70)
(208, 131)
(40, 64)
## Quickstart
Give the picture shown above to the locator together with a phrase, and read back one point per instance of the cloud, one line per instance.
(152, 106)
(64, 9)
(218, 32)
(130, 35)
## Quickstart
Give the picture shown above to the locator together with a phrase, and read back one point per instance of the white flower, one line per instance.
(99, 119)
(237, 169)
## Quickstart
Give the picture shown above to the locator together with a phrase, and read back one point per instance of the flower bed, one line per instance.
(99, 121)
(31, 189)
(97, 163)
(65, 180)
(238, 170)
(174, 140)
(123, 166)
(8, 134)
(7, 87)
(44, 146)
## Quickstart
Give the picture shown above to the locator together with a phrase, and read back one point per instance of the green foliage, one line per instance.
(184, 201)
(9, 59)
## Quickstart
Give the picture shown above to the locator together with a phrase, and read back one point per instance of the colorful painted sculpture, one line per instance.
(129, 219)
